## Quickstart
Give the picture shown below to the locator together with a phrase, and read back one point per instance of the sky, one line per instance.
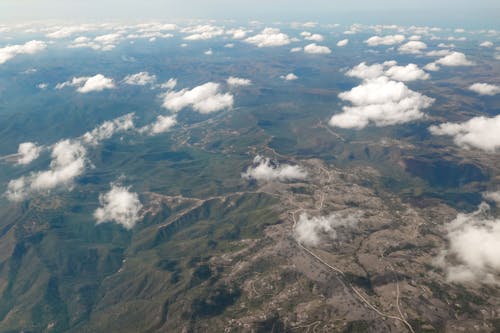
(480, 13)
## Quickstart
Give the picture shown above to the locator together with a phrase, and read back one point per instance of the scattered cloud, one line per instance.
(10, 51)
(208, 52)
(202, 32)
(107, 129)
(119, 205)
(492, 196)
(105, 42)
(237, 81)
(385, 40)
(140, 79)
(486, 44)
(485, 89)
(28, 152)
(68, 162)
(269, 37)
(313, 37)
(42, 86)
(316, 49)
(264, 169)
(310, 231)
(454, 59)
(64, 32)
(478, 132)
(474, 244)
(289, 77)
(88, 84)
(380, 101)
(170, 84)
(410, 72)
(205, 98)
(343, 42)
(412, 47)
(162, 124)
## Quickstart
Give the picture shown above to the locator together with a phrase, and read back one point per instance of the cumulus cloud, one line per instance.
(28, 152)
(385, 40)
(140, 79)
(205, 98)
(474, 244)
(486, 44)
(492, 196)
(107, 129)
(410, 72)
(289, 77)
(237, 81)
(485, 89)
(313, 37)
(64, 32)
(264, 169)
(316, 49)
(412, 47)
(343, 42)
(88, 84)
(380, 101)
(310, 231)
(454, 59)
(119, 205)
(269, 37)
(105, 42)
(237, 33)
(202, 32)
(170, 84)
(68, 162)
(10, 51)
(478, 132)
(160, 125)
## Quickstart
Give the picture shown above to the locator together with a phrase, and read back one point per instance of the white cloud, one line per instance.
(382, 102)
(205, 98)
(107, 129)
(64, 32)
(28, 152)
(438, 53)
(313, 37)
(316, 49)
(119, 205)
(492, 196)
(161, 125)
(486, 44)
(289, 77)
(385, 40)
(105, 42)
(454, 59)
(412, 47)
(68, 162)
(202, 32)
(237, 81)
(42, 86)
(310, 231)
(229, 46)
(237, 33)
(269, 37)
(88, 84)
(485, 89)
(10, 51)
(410, 72)
(263, 169)
(140, 79)
(208, 52)
(433, 67)
(474, 244)
(343, 42)
(295, 49)
(170, 84)
(478, 132)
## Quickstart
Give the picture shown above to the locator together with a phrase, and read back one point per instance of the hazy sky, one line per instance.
(437, 12)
